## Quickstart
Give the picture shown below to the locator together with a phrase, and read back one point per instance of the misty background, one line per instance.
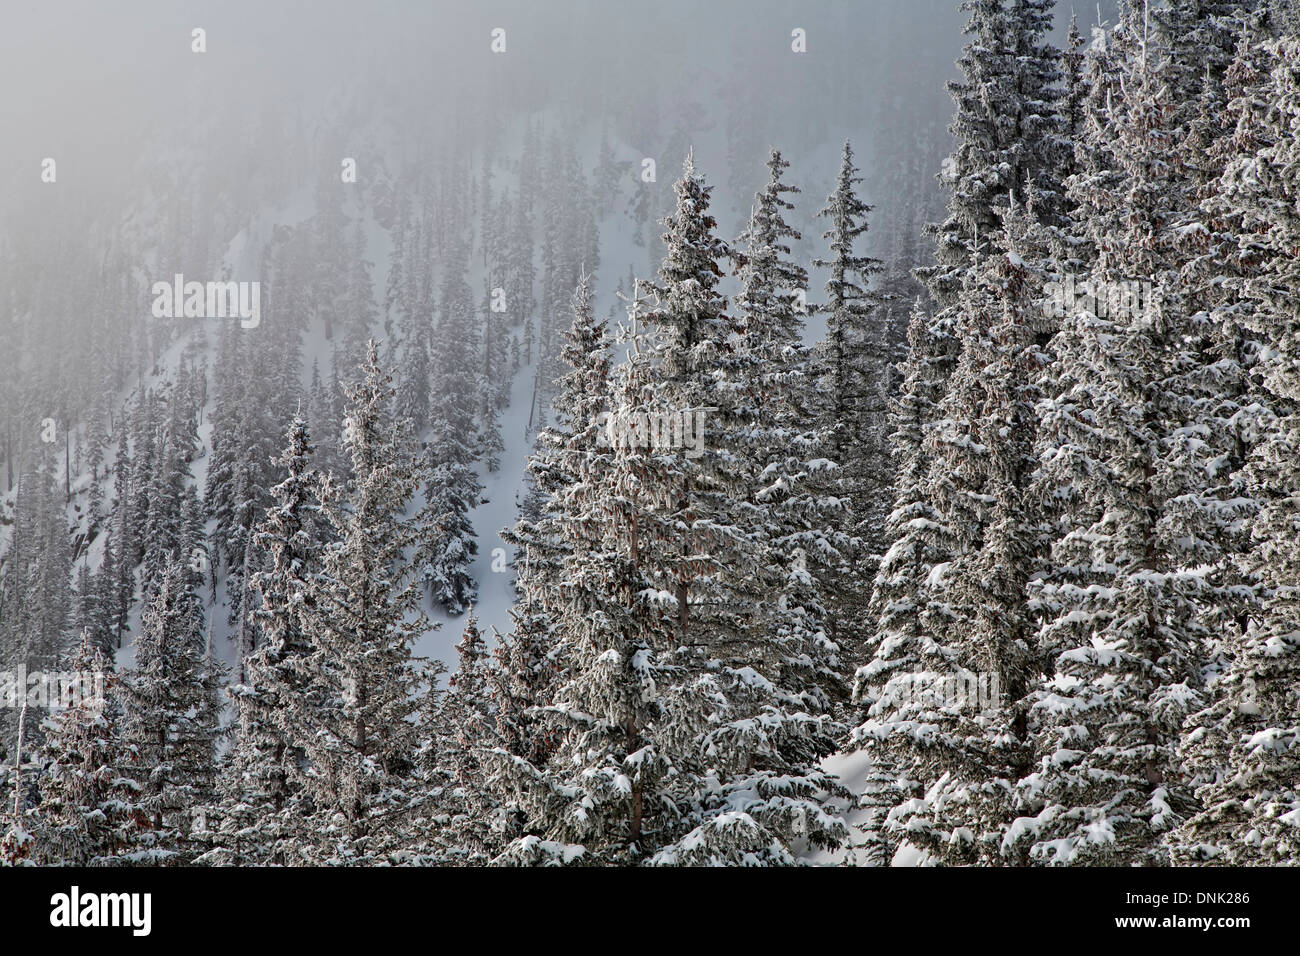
(209, 163)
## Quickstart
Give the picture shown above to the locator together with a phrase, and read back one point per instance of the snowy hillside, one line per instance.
(746, 436)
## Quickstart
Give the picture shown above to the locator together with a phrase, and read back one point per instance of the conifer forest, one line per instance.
(599, 434)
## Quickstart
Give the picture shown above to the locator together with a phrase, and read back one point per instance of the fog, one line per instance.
(557, 432)
(149, 139)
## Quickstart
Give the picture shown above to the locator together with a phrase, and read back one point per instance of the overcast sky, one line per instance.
(108, 88)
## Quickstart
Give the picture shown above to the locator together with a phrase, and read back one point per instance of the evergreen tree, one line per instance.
(1121, 596)
(667, 662)
(854, 382)
(83, 816)
(170, 721)
(1007, 129)
(35, 592)
(900, 600)
(955, 719)
(528, 668)
(601, 798)
(1241, 749)
(260, 799)
(357, 732)
(447, 544)
(468, 720)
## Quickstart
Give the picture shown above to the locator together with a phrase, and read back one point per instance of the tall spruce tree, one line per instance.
(171, 721)
(1120, 598)
(447, 544)
(260, 798)
(357, 729)
(853, 372)
(1243, 748)
(83, 817)
(945, 693)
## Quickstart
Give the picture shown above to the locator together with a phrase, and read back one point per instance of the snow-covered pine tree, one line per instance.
(106, 585)
(169, 491)
(899, 596)
(16, 841)
(363, 617)
(954, 720)
(1041, 150)
(322, 415)
(467, 721)
(89, 613)
(601, 798)
(359, 305)
(605, 177)
(447, 542)
(659, 669)
(415, 387)
(1220, 135)
(396, 306)
(1008, 131)
(246, 419)
(35, 592)
(527, 668)
(170, 721)
(258, 811)
(83, 818)
(769, 379)
(853, 372)
(745, 708)
(494, 385)
(1074, 90)
(521, 270)
(330, 253)
(146, 427)
(122, 543)
(1243, 749)
(1124, 585)
(96, 441)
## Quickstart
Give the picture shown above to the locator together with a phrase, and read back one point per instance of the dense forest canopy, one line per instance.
(753, 436)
